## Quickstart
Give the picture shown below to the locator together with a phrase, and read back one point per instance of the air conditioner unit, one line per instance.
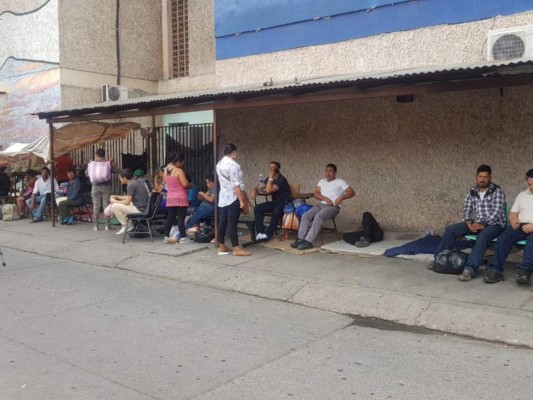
(509, 44)
(114, 93)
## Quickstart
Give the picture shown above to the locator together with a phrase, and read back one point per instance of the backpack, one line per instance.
(450, 262)
(204, 234)
(99, 171)
(10, 212)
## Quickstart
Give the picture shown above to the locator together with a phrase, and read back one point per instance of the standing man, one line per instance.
(135, 201)
(5, 182)
(483, 215)
(331, 192)
(520, 228)
(276, 186)
(41, 192)
(99, 172)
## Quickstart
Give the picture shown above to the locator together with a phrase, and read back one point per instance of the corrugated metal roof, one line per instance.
(462, 71)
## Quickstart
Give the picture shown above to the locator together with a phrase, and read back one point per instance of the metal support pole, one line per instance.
(153, 147)
(215, 147)
(52, 174)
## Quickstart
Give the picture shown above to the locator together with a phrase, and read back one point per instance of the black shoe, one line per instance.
(362, 243)
(296, 243)
(523, 278)
(493, 277)
(305, 245)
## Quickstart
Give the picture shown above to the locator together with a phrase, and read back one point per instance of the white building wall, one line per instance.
(433, 46)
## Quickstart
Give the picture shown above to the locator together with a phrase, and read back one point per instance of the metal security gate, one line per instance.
(195, 142)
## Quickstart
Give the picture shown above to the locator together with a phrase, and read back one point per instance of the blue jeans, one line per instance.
(40, 202)
(505, 243)
(484, 237)
(200, 214)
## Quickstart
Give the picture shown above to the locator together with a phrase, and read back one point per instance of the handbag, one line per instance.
(245, 209)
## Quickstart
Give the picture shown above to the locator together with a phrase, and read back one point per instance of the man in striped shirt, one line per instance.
(483, 215)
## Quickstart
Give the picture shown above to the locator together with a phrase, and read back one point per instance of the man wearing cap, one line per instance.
(483, 215)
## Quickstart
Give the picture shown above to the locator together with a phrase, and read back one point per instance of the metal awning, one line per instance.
(340, 87)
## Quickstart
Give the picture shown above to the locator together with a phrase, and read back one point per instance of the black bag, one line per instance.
(450, 262)
(204, 234)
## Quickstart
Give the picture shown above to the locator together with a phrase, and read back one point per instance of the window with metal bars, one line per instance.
(179, 11)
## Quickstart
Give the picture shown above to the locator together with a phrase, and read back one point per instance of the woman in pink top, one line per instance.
(177, 202)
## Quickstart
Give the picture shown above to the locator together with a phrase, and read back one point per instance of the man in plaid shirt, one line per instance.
(483, 215)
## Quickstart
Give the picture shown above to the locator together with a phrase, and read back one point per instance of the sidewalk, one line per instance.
(398, 290)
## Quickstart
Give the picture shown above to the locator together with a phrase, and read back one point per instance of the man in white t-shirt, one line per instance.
(331, 192)
(520, 228)
(41, 193)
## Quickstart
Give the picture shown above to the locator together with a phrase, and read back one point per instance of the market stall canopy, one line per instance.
(69, 138)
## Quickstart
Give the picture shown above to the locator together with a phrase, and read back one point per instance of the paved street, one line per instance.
(76, 331)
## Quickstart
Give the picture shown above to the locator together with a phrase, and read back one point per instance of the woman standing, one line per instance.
(230, 200)
(177, 203)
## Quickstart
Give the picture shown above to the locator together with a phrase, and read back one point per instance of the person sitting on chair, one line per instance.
(483, 215)
(520, 228)
(42, 190)
(73, 198)
(31, 178)
(135, 201)
(276, 186)
(371, 232)
(206, 209)
(331, 192)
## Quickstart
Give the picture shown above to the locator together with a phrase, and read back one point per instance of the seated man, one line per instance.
(135, 201)
(73, 198)
(5, 182)
(31, 178)
(42, 190)
(371, 232)
(520, 228)
(331, 192)
(206, 209)
(483, 215)
(276, 186)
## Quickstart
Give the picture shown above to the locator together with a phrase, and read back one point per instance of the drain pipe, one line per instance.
(117, 40)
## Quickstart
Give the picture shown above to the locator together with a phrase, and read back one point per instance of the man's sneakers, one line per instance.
(261, 236)
(523, 278)
(466, 276)
(185, 240)
(305, 245)
(493, 277)
(362, 242)
(124, 229)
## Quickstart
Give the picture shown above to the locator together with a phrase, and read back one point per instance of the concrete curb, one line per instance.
(510, 326)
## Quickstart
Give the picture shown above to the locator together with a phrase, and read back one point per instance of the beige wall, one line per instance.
(433, 46)
(201, 50)
(410, 164)
(32, 36)
(87, 37)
